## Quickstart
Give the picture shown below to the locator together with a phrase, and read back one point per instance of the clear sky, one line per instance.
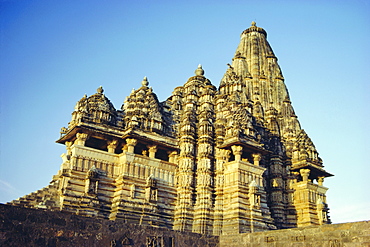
(54, 52)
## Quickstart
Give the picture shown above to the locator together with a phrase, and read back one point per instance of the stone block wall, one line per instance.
(35, 227)
(353, 234)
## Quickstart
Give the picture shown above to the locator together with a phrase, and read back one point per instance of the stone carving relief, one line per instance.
(81, 138)
(92, 181)
(132, 191)
(151, 191)
(154, 242)
(187, 149)
(123, 241)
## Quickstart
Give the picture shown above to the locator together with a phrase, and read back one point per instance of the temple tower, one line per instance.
(195, 172)
(292, 162)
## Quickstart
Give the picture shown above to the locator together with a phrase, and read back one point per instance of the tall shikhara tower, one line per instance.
(213, 161)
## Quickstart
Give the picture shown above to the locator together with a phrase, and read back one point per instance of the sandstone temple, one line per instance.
(212, 160)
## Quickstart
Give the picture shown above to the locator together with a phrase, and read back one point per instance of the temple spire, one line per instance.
(145, 82)
(257, 66)
(199, 71)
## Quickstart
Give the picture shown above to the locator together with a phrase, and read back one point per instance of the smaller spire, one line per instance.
(287, 100)
(145, 82)
(199, 70)
(254, 28)
(100, 90)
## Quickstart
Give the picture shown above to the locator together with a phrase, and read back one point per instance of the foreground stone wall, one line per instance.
(36, 227)
(336, 235)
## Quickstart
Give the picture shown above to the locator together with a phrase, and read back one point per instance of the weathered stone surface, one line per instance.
(18, 227)
(354, 234)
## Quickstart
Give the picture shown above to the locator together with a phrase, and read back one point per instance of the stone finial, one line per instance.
(145, 82)
(100, 90)
(199, 70)
(253, 24)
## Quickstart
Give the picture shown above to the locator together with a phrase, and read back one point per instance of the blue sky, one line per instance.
(53, 52)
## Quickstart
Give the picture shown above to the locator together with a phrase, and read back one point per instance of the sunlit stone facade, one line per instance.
(210, 160)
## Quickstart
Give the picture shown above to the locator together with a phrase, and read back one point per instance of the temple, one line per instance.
(217, 161)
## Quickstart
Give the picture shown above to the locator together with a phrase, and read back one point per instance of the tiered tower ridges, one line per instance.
(210, 160)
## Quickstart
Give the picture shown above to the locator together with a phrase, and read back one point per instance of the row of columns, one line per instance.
(129, 147)
(238, 151)
(303, 195)
(131, 143)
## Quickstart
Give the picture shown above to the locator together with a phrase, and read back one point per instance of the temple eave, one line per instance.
(249, 144)
(315, 170)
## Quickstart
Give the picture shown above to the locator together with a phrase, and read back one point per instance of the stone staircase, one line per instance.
(46, 197)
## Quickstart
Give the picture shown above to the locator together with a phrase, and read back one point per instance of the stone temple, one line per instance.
(226, 160)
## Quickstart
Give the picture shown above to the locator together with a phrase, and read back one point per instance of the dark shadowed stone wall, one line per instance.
(354, 234)
(37, 227)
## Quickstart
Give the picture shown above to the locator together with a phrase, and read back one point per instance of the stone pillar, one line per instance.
(131, 143)
(320, 181)
(203, 205)
(304, 173)
(81, 138)
(183, 215)
(172, 156)
(237, 151)
(276, 193)
(256, 159)
(69, 149)
(112, 146)
(152, 150)
(320, 211)
(254, 204)
(222, 156)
